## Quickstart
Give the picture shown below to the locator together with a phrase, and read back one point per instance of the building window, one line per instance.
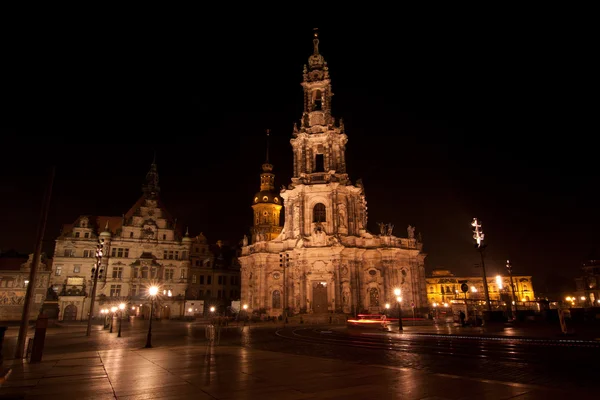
(201, 293)
(120, 252)
(218, 294)
(69, 253)
(319, 212)
(86, 253)
(169, 272)
(77, 234)
(220, 280)
(183, 274)
(194, 278)
(208, 293)
(184, 255)
(232, 280)
(134, 290)
(202, 279)
(231, 294)
(117, 272)
(58, 270)
(154, 273)
(276, 299)
(197, 263)
(86, 235)
(164, 237)
(115, 290)
(208, 280)
(177, 255)
(76, 268)
(131, 234)
(136, 272)
(144, 272)
(319, 163)
(374, 297)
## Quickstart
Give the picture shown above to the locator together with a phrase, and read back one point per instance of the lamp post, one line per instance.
(113, 310)
(512, 285)
(96, 274)
(152, 291)
(121, 308)
(397, 292)
(478, 236)
(245, 307)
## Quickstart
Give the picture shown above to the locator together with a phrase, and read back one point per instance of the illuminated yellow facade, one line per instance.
(443, 286)
(266, 206)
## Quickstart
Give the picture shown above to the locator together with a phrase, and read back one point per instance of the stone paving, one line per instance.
(230, 372)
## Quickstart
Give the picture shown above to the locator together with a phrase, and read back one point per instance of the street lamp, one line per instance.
(152, 291)
(121, 308)
(480, 247)
(512, 285)
(96, 274)
(397, 292)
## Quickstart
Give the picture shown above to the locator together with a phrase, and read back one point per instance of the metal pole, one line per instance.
(512, 285)
(149, 337)
(112, 316)
(400, 328)
(485, 284)
(34, 265)
(120, 322)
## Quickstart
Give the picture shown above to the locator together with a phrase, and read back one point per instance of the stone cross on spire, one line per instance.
(316, 41)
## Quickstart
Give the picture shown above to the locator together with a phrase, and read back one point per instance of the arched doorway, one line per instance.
(70, 313)
(166, 312)
(319, 297)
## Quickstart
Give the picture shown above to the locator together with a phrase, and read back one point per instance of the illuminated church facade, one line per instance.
(324, 260)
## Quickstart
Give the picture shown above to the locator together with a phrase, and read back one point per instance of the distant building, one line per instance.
(143, 247)
(443, 286)
(587, 284)
(14, 279)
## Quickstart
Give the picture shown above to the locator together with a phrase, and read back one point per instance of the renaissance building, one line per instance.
(324, 260)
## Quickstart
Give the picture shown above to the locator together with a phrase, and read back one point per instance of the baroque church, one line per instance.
(324, 260)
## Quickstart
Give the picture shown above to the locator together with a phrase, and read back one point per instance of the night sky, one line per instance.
(444, 125)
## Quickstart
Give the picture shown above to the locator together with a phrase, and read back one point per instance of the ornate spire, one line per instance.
(316, 60)
(151, 188)
(267, 166)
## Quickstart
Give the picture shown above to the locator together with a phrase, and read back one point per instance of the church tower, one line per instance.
(325, 260)
(266, 205)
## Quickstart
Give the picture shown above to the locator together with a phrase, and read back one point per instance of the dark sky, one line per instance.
(445, 122)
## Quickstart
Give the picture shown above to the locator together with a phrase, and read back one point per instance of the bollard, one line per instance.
(38, 339)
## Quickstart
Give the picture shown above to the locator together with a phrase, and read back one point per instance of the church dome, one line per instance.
(267, 196)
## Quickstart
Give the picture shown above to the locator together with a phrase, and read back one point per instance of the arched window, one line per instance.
(374, 297)
(319, 212)
(276, 299)
(318, 101)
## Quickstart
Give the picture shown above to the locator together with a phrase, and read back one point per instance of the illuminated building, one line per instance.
(443, 286)
(266, 206)
(143, 246)
(588, 283)
(324, 260)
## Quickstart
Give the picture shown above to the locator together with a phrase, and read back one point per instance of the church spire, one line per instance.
(267, 166)
(151, 188)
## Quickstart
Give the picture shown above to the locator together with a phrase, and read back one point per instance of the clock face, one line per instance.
(276, 275)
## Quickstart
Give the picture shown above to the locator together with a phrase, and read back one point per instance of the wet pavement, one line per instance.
(266, 359)
(232, 372)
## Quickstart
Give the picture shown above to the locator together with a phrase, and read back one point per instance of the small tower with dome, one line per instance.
(266, 205)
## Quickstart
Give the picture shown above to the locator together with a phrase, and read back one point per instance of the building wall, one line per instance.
(442, 289)
(13, 288)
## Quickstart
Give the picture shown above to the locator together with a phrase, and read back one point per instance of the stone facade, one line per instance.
(143, 247)
(443, 287)
(14, 279)
(325, 260)
(588, 283)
